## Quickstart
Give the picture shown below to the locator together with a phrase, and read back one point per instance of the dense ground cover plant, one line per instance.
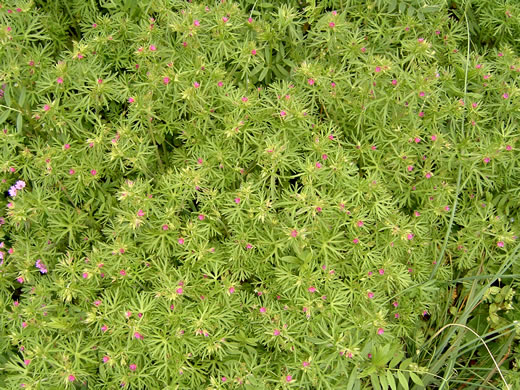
(259, 195)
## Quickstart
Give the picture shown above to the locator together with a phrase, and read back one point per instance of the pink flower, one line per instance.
(310, 81)
(164, 227)
(152, 48)
(294, 233)
(224, 379)
(140, 213)
(333, 85)
(318, 165)
(394, 82)
(72, 171)
(24, 324)
(93, 172)
(46, 107)
(417, 140)
(446, 208)
(225, 19)
(311, 289)
(26, 361)
(363, 49)
(237, 200)
(231, 290)
(166, 80)
(355, 241)
(97, 303)
(283, 113)
(380, 331)
(104, 328)
(253, 52)
(133, 367)
(184, 44)
(196, 84)
(201, 217)
(332, 24)
(59, 80)
(100, 81)
(244, 99)
(410, 168)
(416, 213)
(378, 69)
(250, 20)
(396, 315)
(505, 95)
(138, 335)
(381, 271)
(370, 295)
(181, 241)
(220, 84)
(428, 175)
(433, 137)
(324, 156)
(409, 236)
(179, 290)
(420, 40)
(105, 359)
(262, 309)
(288, 378)
(72, 378)
(122, 272)
(276, 332)
(196, 23)
(500, 244)
(305, 364)
(421, 114)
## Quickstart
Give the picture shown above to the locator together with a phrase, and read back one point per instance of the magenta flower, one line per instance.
(72, 171)
(93, 172)
(181, 241)
(224, 379)
(97, 303)
(19, 184)
(262, 309)
(225, 19)
(27, 361)
(505, 95)
(283, 113)
(421, 114)
(332, 24)
(380, 331)
(166, 80)
(59, 80)
(294, 233)
(310, 81)
(122, 272)
(152, 48)
(355, 241)
(311, 289)
(305, 364)
(104, 328)
(394, 82)
(433, 137)
(276, 332)
(105, 359)
(196, 84)
(140, 213)
(409, 236)
(46, 107)
(237, 200)
(381, 271)
(164, 227)
(288, 378)
(253, 52)
(133, 367)
(378, 69)
(231, 290)
(179, 290)
(509, 147)
(72, 378)
(370, 295)
(318, 165)
(138, 335)
(196, 23)
(500, 244)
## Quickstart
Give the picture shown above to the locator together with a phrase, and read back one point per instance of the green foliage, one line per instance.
(259, 195)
